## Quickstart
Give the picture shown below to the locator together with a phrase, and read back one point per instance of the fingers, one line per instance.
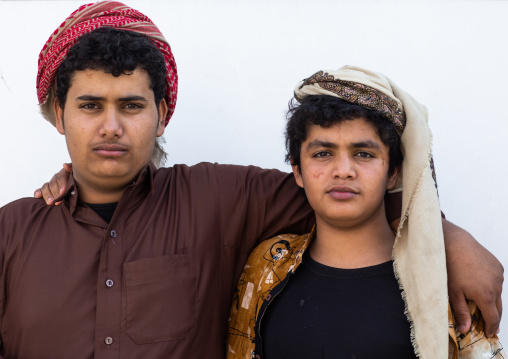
(492, 304)
(499, 305)
(61, 180)
(67, 167)
(490, 314)
(38, 193)
(461, 312)
(45, 192)
(56, 187)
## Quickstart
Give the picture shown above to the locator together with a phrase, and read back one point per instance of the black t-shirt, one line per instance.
(332, 313)
(105, 210)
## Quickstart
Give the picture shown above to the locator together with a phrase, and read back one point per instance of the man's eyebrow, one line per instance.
(366, 144)
(89, 98)
(133, 98)
(320, 143)
(122, 99)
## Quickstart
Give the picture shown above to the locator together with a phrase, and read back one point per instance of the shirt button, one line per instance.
(113, 233)
(109, 283)
(108, 340)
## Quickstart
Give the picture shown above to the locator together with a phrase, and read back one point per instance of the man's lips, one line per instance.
(341, 192)
(110, 150)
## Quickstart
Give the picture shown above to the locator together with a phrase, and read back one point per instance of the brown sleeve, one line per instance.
(393, 206)
(257, 204)
(4, 237)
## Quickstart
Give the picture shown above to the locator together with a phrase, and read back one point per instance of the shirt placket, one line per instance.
(109, 293)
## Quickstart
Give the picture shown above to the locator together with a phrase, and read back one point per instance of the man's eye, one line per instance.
(88, 106)
(321, 154)
(133, 106)
(364, 154)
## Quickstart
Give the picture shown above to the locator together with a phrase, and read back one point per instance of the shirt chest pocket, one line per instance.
(160, 295)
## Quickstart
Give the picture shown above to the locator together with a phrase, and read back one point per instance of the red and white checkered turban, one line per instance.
(84, 20)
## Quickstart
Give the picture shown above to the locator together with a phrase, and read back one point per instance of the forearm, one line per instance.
(473, 273)
(458, 239)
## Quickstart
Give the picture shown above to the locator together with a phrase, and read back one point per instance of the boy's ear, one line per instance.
(161, 123)
(298, 175)
(58, 117)
(392, 179)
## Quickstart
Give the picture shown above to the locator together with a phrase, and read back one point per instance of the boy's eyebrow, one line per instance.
(122, 99)
(362, 144)
(132, 98)
(320, 143)
(366, 144)
(89, 98)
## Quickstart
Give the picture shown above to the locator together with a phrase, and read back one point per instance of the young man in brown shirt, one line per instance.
(138, 261)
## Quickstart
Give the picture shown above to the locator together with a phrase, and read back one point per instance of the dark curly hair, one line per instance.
(115, 52)
(326, 111)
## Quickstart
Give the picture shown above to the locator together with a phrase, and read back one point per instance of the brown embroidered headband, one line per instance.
(354, 92)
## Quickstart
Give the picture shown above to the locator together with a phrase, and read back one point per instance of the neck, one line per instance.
(359, 246)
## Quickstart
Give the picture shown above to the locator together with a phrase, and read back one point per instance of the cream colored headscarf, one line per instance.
(418, 252)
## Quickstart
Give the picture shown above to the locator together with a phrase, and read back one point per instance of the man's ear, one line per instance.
(163, 111)
(58, 116)
(392, 179)
(298, 175)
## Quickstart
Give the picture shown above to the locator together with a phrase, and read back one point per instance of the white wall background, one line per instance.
(239, 61)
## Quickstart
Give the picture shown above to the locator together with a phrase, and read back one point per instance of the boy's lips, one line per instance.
(110, 150)
(342, 192)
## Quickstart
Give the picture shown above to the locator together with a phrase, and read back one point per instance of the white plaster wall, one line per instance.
(238, 62)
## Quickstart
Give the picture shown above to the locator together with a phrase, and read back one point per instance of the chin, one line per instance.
(345, 218)
(111, 171)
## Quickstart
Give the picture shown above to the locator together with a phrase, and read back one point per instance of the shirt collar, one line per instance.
(70, 194)
(146, 174)
(304, 245)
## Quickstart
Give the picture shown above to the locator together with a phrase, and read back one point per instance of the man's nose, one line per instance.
(111, 125)
(344, 167)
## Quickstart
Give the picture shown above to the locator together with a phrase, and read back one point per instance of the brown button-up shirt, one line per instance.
(157, 281)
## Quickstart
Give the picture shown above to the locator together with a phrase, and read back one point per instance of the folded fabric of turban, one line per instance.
(84, 20)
